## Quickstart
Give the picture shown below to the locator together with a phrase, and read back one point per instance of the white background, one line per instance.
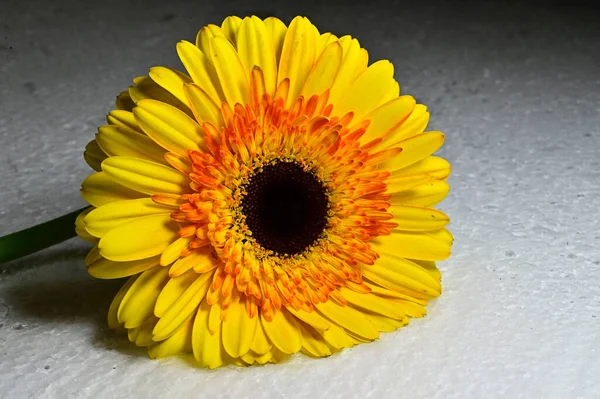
(517, 91)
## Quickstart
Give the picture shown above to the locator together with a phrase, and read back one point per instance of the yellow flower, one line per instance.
(277, 198)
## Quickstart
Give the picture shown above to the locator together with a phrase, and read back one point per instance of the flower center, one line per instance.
(285, 207)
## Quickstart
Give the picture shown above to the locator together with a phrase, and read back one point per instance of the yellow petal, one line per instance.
(173, 251)
(105, 218)
(171, 80)
(203, 106)
(237, 362)
(183, 308)
(385, 324)
(139, 239)
(386, 248)
(365, 93)
(248, 359)
(277, 31)
(384, 292)
(179, 342)
(115, 140)
(283, 332)
(262, 359)
(260, 343)
(428, 194)
(80, 227)
(411, 309)
(313, 319)
(172, 291)
(145, 176)
(312, 343)
(200, 260)
(372, 303)
(431, 245)
(297, 56)
(437, 168)
(169, 127)
(444, 236)
(387, 117)
(251, 358)
(182, 164)
(399, 282)
(323, 74)
(238, 329)
(124, 101)
(205, 261)
(231, 27)
(402, 183)
(348, 318)
(354, 62)
(142, 335)
(355, 339)
(124, 119)
(430, 266)
(412, 126)
(92, 256)
(336, 337)
(93, 155)
(327, 38)
(148, 89)
(98, 189)
(108, 269)
(201, 70)
(138, 303)
(207, 347)
(392, 91)
(255, 49)
(347, 43)
(416, 218)
(214, 319)
(206, 34)
(414, 149)
(113, 320)
(232, 76)
(278, 356)
(319, 47)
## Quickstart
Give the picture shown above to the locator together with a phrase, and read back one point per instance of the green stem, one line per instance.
(36, 238)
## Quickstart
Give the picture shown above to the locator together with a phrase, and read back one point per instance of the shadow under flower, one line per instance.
(58, 289)
(62, 297)
(62, 292)
(63, 253)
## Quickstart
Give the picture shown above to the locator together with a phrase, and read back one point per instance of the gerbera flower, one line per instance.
(276, 198)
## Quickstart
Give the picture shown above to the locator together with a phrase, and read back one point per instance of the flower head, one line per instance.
(276, 198)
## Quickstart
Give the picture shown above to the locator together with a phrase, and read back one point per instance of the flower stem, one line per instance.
(25, 242)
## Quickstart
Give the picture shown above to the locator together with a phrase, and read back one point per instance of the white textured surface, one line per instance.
(517, 90)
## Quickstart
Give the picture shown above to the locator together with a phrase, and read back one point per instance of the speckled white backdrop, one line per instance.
(516, 89)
